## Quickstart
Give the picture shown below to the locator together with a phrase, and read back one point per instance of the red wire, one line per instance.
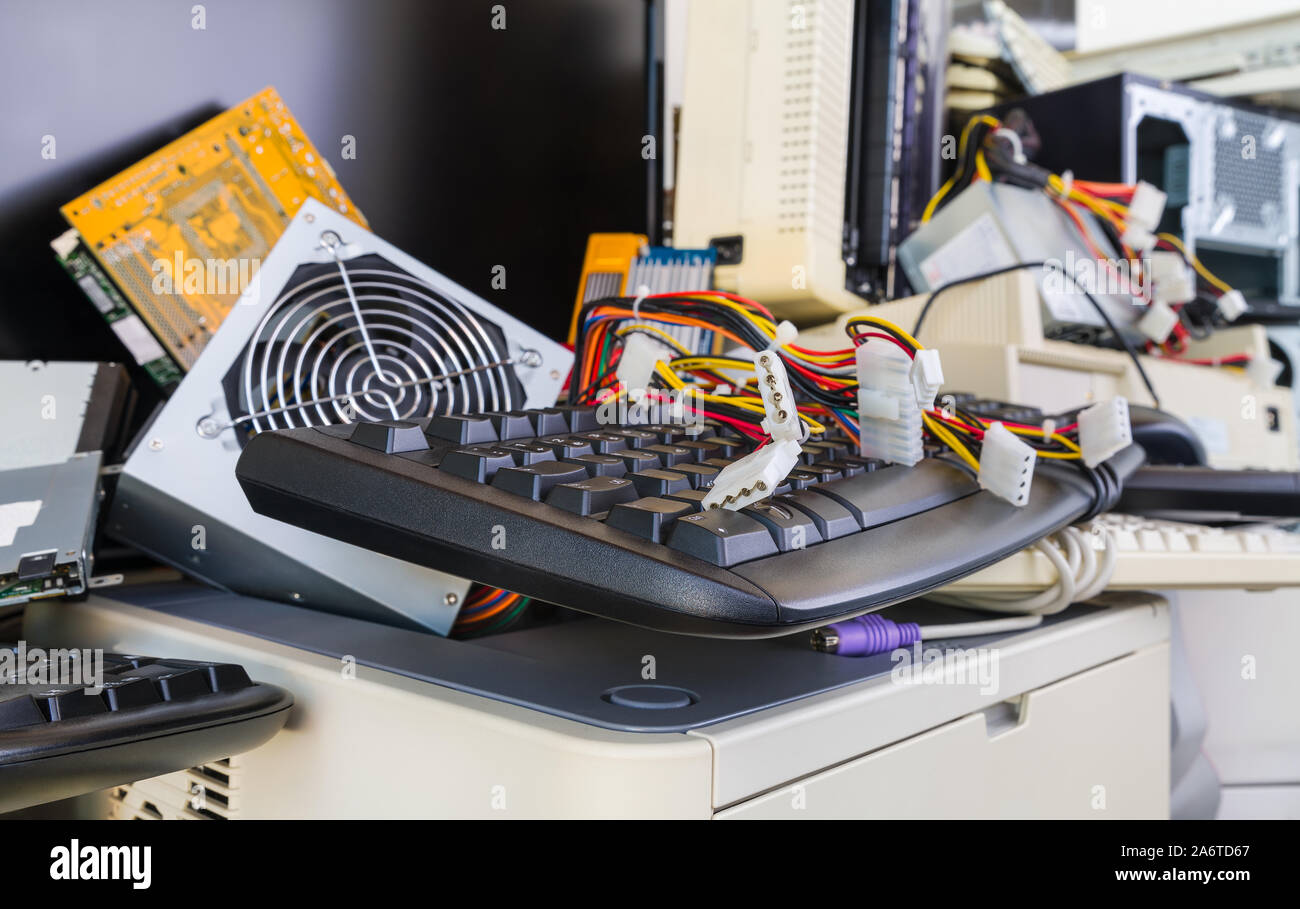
(880, 334)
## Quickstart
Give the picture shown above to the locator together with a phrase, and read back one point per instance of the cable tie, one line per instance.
(641, 293)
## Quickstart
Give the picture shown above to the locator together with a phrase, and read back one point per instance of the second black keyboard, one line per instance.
(607, 519)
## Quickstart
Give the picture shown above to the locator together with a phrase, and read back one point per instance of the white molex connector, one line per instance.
(1006, 465)
(637, 364)
(758, 474)
(1138, 238)
(782, 421)
(755, 476)
(888, 416)
(1147, 207)
(927, 377)
(1171, 278)
(1158, 322)
(1104, 429)
(1231, 305)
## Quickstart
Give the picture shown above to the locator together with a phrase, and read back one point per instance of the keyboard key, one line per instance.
(567, 446)
(63, 702)
(846, 468)
(667, 433)
(808, 453)
(592, 496)
(20, 711)
(648, 518)
(833, 520)
(659, 482)
(832, 449)
(638, 461)
(547, 421)
(719, 462)
(528, 453)
(462, 429)
(599, 465)
(511, 425)
(175, 683)
(703, 449)
(132, 691)
(722, 537)
(477, 464)
(692, 497)
(220, 676)
(701, 475)
(228, 677)
(605, 442)
(670, 455)
(824, 472)
(883, 496)
(125, 660)
(800, 478)
(790, 527)
(581, 418)
(636, 438)
(389, 436)
(536, 480)
(732, 446)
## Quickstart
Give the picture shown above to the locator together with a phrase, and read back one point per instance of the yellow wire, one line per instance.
(876, 320)
(710, 363)
(961, 153)
(667, 338)
(1055, 437)
(982, 168)
(1196, 263)
(950, 440)
(743, 403)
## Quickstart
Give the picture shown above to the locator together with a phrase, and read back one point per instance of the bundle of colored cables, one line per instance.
(718, 385)
(990, 151)
(824, 381)
(955, 427)
(488, 610)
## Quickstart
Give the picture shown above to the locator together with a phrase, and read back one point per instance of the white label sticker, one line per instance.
(977, 248)
(137, 339)
(14, 516)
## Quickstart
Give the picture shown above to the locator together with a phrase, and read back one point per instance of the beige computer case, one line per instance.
(990, 336)
(763, 146)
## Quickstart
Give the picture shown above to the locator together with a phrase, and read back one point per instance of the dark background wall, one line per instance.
(474, 147)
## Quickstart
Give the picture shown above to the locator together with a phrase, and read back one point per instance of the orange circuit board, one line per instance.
(181, 232)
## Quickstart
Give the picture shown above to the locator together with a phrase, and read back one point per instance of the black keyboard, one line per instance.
(149, 717)
(607, 519)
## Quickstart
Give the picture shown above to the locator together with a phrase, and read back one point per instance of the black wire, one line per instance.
(1105, 317)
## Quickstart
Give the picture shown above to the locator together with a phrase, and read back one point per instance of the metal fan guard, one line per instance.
(310, 362)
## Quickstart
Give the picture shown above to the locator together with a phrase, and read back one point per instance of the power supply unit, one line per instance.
(337, 325)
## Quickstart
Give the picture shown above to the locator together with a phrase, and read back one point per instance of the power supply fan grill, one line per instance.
(393, 348)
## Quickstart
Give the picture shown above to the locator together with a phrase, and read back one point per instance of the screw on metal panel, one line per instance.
(330, 239)
(530, 358)
(451, 599)
(155, 445)
(309, 218)
(555, 373)
(295, 595)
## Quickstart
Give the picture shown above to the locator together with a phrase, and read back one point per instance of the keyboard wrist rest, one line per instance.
(46, 762)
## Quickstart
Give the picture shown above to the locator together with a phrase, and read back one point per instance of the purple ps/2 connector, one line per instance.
(865, 635)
